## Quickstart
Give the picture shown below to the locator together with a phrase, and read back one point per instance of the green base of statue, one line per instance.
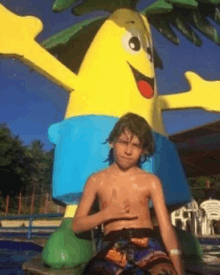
(65, 250)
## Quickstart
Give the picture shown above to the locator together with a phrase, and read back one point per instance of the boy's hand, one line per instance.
(119, 210)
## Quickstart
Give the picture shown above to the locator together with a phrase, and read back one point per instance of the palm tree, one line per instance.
(185, 16)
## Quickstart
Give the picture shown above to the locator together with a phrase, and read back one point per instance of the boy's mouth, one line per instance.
(145, 84)
(127, 158)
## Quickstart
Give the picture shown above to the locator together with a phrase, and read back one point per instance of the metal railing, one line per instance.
(31, 219)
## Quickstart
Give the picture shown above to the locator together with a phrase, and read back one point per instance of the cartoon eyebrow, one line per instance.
(130, 22)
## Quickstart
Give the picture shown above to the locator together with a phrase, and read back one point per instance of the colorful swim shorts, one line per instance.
(134, 250)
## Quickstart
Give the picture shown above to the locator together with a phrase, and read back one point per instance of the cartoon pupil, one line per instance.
(134, 43)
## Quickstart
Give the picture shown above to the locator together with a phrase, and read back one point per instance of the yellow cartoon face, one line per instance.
(117, 73)
(137, 44)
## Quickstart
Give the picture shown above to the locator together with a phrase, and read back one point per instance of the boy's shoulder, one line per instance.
(147, 175)
(142, 172)
(98, 175)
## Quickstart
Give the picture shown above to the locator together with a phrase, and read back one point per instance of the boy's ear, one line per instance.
(111, 145)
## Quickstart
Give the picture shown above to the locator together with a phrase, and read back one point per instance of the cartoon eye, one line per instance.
(131, 41)
(149, 54)
(134, 43)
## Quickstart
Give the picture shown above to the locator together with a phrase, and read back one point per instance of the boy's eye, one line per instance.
(137, 146)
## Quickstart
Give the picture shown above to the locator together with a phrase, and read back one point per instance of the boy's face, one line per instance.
(127, 150)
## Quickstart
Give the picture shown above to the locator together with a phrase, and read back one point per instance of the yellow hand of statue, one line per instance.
(204, 94)
(17, 32)
(18, 39)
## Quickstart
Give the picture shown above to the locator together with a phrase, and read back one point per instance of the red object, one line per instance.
(7, 205)
(32, 203)
(145, 89)
(19, 203)
(46, 204)
(208, 184)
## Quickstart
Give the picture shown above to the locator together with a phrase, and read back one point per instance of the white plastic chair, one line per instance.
(212, 212)
(188, 214)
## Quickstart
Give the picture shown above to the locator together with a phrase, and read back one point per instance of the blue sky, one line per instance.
(29, 103)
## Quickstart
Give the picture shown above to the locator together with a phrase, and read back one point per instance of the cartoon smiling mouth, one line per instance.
(145, 84)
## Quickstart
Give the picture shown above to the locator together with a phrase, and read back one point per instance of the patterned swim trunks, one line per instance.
(127, 253)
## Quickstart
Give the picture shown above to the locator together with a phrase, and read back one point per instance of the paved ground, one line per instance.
(211, 256)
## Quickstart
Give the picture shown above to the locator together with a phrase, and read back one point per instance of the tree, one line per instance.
(201, 187)
(40, 169)
(12, 161)
(23, 168)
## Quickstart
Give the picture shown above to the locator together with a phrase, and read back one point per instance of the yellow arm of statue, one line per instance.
(203, 94)
(18, 40)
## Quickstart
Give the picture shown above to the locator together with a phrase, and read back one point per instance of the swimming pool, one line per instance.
(14, 254)
(212, 241)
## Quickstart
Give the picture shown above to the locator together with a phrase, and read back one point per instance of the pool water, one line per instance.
(14, 254)
(211, 241)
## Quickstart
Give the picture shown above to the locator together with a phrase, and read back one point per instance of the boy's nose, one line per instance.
(128, 149)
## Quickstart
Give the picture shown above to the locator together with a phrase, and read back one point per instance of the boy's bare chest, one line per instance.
(131, 189)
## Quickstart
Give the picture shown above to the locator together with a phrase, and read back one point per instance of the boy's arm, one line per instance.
(166, 229)
(82, 221)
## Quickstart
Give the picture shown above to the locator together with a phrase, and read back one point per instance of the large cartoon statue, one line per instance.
(116, 76)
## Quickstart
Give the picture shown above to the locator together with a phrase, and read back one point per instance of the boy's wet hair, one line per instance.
(139, 127)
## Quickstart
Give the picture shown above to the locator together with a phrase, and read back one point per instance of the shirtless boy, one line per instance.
(124, 191)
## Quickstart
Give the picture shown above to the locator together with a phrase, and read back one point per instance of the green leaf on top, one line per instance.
(184, 3)
(159, 6)
(164, 28)
(60, 5)
(64, 36)
(107, 5)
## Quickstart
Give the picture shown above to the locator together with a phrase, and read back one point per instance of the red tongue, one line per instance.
(145, 89)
